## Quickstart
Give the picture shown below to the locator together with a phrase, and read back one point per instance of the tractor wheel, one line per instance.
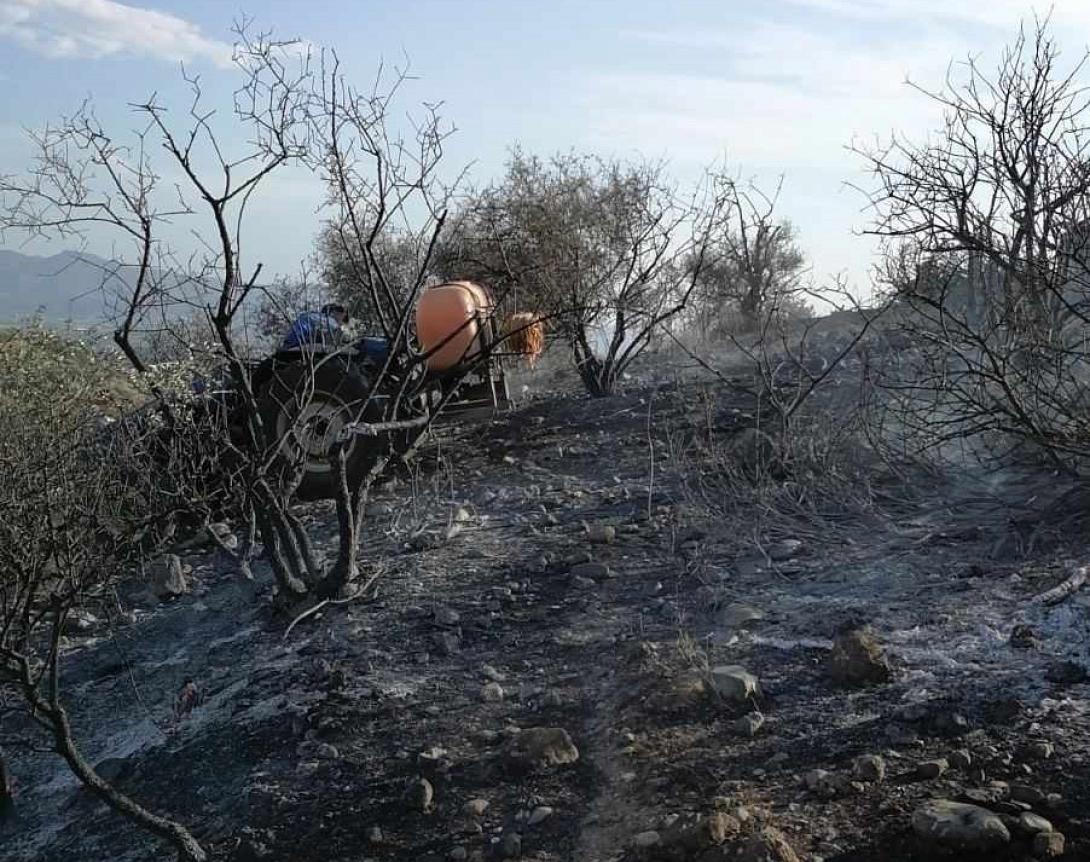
(305, 407)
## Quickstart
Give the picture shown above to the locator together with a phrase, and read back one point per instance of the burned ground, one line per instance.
(564, 567)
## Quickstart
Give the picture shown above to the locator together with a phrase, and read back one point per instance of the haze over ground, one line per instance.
(778, 87)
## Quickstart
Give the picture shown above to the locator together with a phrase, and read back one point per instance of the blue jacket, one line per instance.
(312, 329)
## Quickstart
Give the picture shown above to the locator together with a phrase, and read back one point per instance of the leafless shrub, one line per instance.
(986, 224)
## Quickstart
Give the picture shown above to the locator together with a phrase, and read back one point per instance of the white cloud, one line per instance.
(104, 28)
(787, 94)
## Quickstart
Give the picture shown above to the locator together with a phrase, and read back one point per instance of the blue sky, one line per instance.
(776, 87)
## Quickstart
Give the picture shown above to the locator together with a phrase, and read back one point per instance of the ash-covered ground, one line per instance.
(581, 646)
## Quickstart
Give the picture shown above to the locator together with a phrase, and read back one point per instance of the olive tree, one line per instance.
(755, 264)
(606, 250)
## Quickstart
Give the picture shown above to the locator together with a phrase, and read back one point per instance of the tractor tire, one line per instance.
(304, 406)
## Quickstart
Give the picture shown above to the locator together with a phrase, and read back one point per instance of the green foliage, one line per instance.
(55, 383)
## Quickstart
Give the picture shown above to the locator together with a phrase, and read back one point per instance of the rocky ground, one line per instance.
(580, 649)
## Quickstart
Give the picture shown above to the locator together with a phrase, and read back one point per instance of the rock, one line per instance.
(982, 796)
(1030, 823)
(959, 826)
(900, 735)
(168, 580)
(780, 552)
(457, 854)
(1067, 673)
(446, 616)
(419, 795)
(734, 683)
(447, 643)
(591, 571)
(539, 815)
(686, 691)
(603, 534)
(79, 621)
(767, 845)
(688, 840)
(491, 673)
(960, 759)
(538, 747)
(492, 692)
(220, 533)
(738, 616)
(325, 751)
(1040, 749)
(1023, 637)
(856, 659)
(748, 725)
(1048, 845)
(476, 807)
(511, 845)
(1026, 793)
(825, 783)
(374, 835)
(932, 768)
(581, 583)
(869, 767)
(646, 840)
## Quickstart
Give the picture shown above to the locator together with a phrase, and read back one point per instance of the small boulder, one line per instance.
(748, 725)
(475, 807)
(511, 845)
(1048, 845)
(604, 534)
(959, 826)
(929, 769)
(168, 578)
(492, 692)
(740, 616)
(1030, 823)
(780, 552)
(79, 622)
(734, 683)
(538, 747)
(419, 795)
(591, 571)
(446, 616)
(856, 658)
(1028, 793)
(869, 767)
(647, 840)
(687, 840)
(767, 845)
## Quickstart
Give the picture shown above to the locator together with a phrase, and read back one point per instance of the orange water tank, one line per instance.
(448, 322)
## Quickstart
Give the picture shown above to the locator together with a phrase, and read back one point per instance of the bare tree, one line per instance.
(754, 262)
(607, 250)
(987, 230)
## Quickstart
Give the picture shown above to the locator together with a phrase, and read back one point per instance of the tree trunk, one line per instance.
(189, 850)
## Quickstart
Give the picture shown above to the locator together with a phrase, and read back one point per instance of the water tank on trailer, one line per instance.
(450, 319)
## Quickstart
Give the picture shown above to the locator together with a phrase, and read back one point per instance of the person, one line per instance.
(316, 328)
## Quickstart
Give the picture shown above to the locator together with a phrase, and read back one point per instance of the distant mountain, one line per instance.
(62, 287)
